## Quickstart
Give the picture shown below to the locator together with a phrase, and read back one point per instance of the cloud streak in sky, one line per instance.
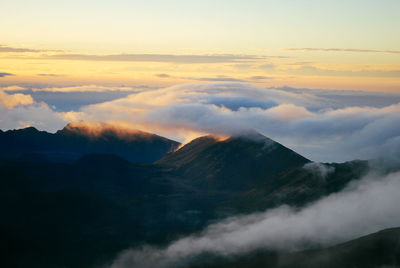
(356, 50)
(364, 207)
(184, 59)
(6, 74)
(85, 88)
(4, 48)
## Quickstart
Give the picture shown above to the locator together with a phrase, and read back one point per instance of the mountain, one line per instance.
(238, 163)
(251, 172)
(81, 213)
(77, 140)
(380, 249)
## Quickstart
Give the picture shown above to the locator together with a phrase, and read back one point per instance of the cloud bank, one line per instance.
(10, 101)
(324, 127)
(367, 206)
(21, 110)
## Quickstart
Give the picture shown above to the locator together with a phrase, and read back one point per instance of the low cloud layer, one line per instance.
(10, 101)
(21, 110)
(323, 126)
(367, 206)
(37, 114)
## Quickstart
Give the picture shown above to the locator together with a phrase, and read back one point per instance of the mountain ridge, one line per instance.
(206, 180)
(77, 140)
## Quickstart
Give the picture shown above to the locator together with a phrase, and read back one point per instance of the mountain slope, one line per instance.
(109, 204)
(76, 140)
(237, 163)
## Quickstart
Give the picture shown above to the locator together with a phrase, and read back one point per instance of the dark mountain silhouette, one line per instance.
(83, 212)
(380, 249)
(76, 140)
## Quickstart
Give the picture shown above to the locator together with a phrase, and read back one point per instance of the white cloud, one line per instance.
(10, 101)
(311, 124)
(13, 88)
(319, 169)
(20, 110)
(364, 207)
(38, 115)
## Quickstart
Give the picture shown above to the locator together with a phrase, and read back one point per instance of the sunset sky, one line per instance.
(250, 64)
(314, 44)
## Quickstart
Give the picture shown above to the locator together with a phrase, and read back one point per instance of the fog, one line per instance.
(363, 207)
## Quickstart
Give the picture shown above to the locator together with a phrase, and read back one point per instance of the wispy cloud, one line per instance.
(313, 70)
(188, 59)
(260, 77)
(50, 75)
(310, 49)
(84, 88)
(13, 88)
(215, 79)
(4, 48)
(163, 75)
(6, 74)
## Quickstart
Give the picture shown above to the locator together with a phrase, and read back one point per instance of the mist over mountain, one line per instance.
(84, 211)
(218, 164)
(199, 134)
(380, 249)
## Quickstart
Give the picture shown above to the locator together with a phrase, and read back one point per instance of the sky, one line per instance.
(308, 43)
(187, 68)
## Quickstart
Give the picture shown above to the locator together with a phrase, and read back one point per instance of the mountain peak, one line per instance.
(216, 163)
(253, 136)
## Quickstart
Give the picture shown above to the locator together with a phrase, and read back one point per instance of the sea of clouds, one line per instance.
(323, 125)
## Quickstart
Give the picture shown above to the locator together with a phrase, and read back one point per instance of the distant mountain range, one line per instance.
(84, 199)
(77, 140)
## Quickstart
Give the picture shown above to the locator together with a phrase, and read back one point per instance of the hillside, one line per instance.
(239, 163)
(99, 204)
